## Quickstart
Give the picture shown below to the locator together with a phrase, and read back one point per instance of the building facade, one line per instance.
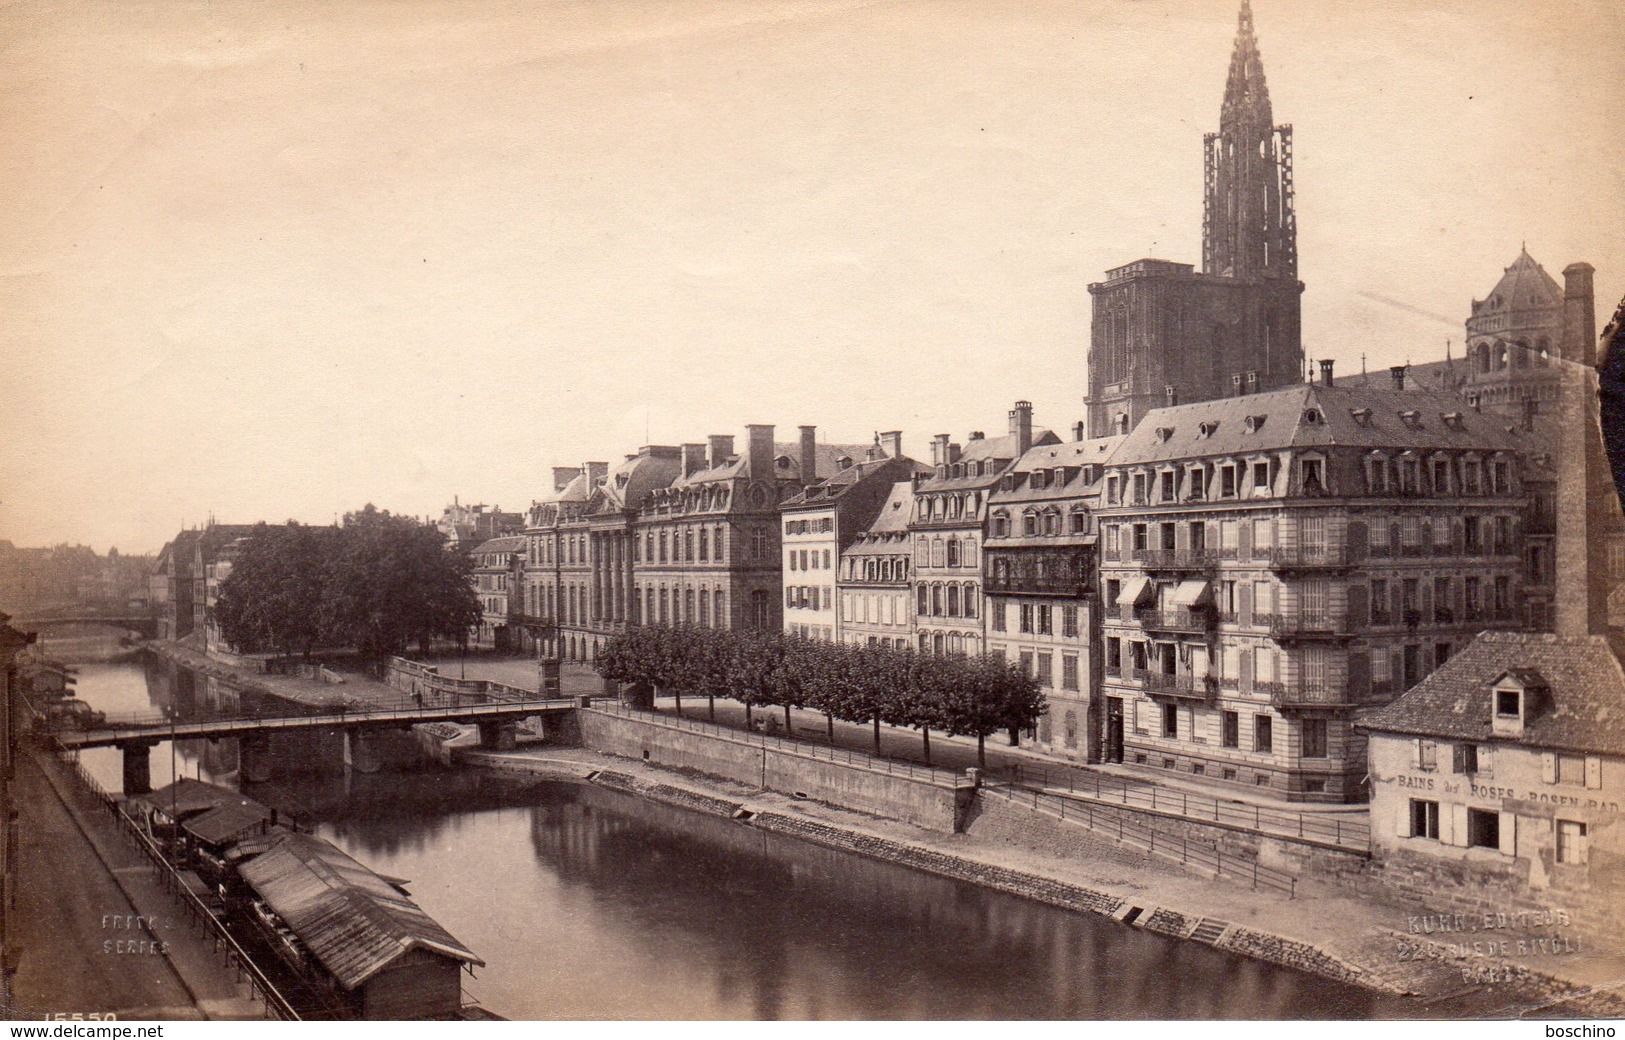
(497, 563)
(822, 521)
(1508, 763)
(1163, 333)
(1040, 583)
(1273, 562)
(873, 588)
(950, 510)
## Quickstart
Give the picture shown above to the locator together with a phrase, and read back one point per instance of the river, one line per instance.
(589, 904)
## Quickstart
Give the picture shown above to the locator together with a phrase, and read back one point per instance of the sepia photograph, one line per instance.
(811, 510)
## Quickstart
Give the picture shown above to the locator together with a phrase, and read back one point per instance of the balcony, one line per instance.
(1309, 558)
(1296, 628)
(1307, 694)
(1197, 621)
(1182, 686)
(1177, 559)
(1019, 585)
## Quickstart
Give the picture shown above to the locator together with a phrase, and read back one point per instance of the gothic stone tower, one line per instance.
(1161, 331)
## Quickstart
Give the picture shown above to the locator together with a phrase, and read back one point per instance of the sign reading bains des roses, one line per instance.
(1488, 792)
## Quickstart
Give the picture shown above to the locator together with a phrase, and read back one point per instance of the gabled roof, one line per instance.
(1073, 455)
(831, 489)
(186, 797)
(987, 449)
(503, 543)
(1312, 415)
(226, 822)
(1584, 710)
(351, 919)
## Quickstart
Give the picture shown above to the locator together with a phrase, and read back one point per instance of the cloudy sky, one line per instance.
(280, 258)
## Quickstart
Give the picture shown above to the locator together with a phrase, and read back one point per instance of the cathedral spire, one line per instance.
(1249, 229)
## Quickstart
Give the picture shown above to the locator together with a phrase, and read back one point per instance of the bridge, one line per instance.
(135, 737)
(138, 621)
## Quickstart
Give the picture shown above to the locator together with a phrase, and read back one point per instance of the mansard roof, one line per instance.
(1004, 449)
(1075, 455)
(630, 483)
(1583, 709)
(825, 461)
(832, 489)
(892, 519)
(1313, 416)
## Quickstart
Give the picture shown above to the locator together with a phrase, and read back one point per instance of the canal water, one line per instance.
(588, 904)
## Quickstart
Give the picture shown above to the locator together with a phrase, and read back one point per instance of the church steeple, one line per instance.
(1248, 228)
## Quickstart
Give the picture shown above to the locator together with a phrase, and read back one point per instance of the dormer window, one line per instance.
(1361, 416)
(1207, 428)
(1452, 420)
(1513, 698)
(1164, 433)
(1508, 704)
(1311, 416)
(1253, 423)
(1411, 418)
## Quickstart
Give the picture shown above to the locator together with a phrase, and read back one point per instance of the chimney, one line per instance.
(596, 472)
(1172, 394)
(1587, 505)
(721, 446)
(1021, 426)
(808, 458)
(939, 450)
(693, 459)
(1579, 315)
(953, 454)
(562, 475)
(891, 442)
(1077, 430)
(977, 435)
(1235, 381)
(1398, 372)
(1326, 371)
(760, 451)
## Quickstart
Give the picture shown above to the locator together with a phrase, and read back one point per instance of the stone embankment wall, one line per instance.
(416, 679)
(935, 804)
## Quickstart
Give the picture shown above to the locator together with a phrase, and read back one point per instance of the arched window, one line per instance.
(955, 644)
(705, 606)
(936, 643)
(1482, 357)
(688, 606)
(1052, 522)
(953, 600)
(970, 599)
(923, 607)
(1029, 523)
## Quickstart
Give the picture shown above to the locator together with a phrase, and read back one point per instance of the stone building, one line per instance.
(1508, 763)
(497, 566)
(820, 522)
(950, 509)
(1272, 562)
(706, 549)
(1039, 567)
(872, 586)
(1162, 332)
(556, 574)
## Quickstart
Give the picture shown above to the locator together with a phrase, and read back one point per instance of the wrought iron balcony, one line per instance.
(1188, 687)
(1177, 559)
(1309, 558)
(1299, 627)
(1019, 585)
(1179, 619)
(1307, 694)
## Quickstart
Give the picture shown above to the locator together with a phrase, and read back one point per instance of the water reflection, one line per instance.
(589, 904)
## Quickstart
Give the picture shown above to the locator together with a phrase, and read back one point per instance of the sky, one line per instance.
(271, 260)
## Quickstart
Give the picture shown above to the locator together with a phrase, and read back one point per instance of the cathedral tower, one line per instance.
(1163, 332)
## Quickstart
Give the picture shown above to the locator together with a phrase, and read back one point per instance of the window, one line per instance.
(1263, 738)
(1312, 481)
(1069, 621)
(1427, 755)
(996, 612)
(1230, 736)
(1571, 841)
(1069, 671)
(1170, 721)
(1044, 674)
(1314, 738)
(1227, 481)
(792, 557)
(1424, 818)
(1044, 628)
(1026, 617)
(1571, 769)
(1261, 478)
(1483, 829)
(1506, 704)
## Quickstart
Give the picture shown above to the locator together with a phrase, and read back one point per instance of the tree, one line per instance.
(988, 693)
(275, 596)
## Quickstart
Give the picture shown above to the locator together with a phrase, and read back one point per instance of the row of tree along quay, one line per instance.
(955, 694)
(376, 582)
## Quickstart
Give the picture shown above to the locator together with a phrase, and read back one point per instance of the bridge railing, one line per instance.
(259, 985)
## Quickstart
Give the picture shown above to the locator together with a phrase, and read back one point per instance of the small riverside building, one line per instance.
(382, 955)
(1507, 763)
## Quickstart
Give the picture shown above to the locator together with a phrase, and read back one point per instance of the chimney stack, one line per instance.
(891, 442)
(562, 475)
(596, 472)
(1172, 394)
(809, 454)
(721, 448)
(939, 450)
(1021, 426)
(1077, 430)
(760, 450)
(693, 459)
(1398, 372)
(1326, 371)
(1579, 315)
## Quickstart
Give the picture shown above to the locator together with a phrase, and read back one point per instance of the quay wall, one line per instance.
(934, 804)
(424, 681)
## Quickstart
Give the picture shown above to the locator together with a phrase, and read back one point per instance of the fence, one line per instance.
(1321, 828)
(260, 987)
(1175, 848)
(792, 746)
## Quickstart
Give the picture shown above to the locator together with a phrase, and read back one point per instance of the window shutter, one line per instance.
(1548, 767)
(1359, 676)
(1404, 820)
(1593, 772)
(1509, 834)
(1458, 758)
(1458, 824)
(1246, 604)
(1486, 761)
(1416, 753)
(1182, 538)
(1427, 604)
(1245, 679)
(1245, 535)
